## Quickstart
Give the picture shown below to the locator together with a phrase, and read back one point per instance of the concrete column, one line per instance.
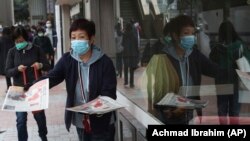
(117, 8)
(102, 13)
(37, 10)
(6, 13)
(65, 27)
(87, 10)
(12, 12)
(95, 16)
(59, 50)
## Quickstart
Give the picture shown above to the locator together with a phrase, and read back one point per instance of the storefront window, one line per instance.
(195, 56)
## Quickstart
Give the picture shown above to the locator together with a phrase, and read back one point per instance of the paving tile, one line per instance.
(54, 116)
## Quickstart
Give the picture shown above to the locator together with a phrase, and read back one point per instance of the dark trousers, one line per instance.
(228, 105)
(8, 81)
(52, 62)
(131, 74)
(119, 64)
(22, 125)
(128, 66)
(108, 135)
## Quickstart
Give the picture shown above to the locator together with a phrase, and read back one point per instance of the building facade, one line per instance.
(6, 13)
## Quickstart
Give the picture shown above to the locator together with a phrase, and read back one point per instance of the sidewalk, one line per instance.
(54, 115)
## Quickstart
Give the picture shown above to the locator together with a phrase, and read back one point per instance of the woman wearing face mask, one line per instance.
(44, 43)
(190, 64)
(88, 73)
(26, 58)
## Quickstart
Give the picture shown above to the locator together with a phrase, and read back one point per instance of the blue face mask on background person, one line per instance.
(187, 42)
(80, 46)
(21, 45)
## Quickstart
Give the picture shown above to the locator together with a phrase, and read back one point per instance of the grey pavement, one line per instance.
(54, 114)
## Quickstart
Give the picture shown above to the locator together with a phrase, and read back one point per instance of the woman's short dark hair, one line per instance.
(167, 29)
(40, 29)
(179, 22)
(20, 31)
(83, 24)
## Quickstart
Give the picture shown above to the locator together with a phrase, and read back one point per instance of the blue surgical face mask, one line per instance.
(21, 45)
(187, 42)
(80, 46)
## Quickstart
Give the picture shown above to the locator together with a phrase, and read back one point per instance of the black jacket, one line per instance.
(5, 44)
(45, 44)
(102, 81)
(27, 58)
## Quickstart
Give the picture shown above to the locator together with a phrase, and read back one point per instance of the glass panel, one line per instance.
(194, 56)
(126, 132)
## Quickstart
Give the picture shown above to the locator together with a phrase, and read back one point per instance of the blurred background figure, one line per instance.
(119, 48)
(130, 54)
(51, 33)
(225, 53)
(30, 34)
(137, 30)
(44, 43)
(6, 42)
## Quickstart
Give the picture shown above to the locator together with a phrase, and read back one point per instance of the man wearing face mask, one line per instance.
(190, 64)
(44, 43)
(51, 33)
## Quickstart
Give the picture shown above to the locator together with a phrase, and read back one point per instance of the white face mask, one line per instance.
(40, 34)
(48, 25)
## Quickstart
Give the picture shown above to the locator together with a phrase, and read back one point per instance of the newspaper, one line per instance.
(174, 100)
(100, 105)
(36, 98)
(245, 78)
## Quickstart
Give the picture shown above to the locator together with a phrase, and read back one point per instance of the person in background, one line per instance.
(189, 63)
(88, 73)
(119, 48)
(130, 54)
(6, 42)
(51, 33)
(137, 30)
(26, 58)
(30, 34)
(44, 43)
(225, 54)
(34, 30)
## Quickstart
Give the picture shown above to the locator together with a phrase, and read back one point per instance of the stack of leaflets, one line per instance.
(100, 105)
(174, 100)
